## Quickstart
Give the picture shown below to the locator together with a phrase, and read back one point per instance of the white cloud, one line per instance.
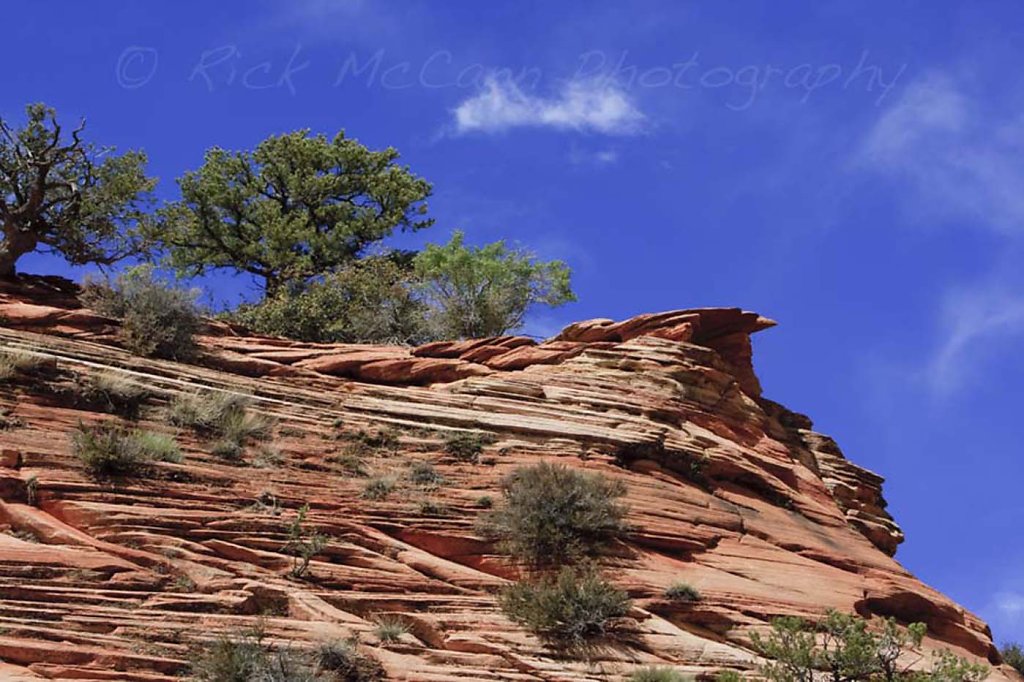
(588, 106)
(954, 158)
(1011, 604)
(976, 322)
(584, 157)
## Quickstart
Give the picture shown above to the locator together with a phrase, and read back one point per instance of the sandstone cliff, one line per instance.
(102, 581)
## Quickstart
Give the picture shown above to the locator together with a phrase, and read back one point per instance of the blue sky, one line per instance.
(851, 169)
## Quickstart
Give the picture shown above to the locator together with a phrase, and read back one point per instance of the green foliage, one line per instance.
(552, 514)
(227, 449)
(114, 392)
(348, 664)
(682, 592)
(248, 658)
(66, 196)
(485, 502)
(220, 414)
(656, 674)
(378, 488)
(467, 446)
(390, 629)
(1013, 656)
(728, 676)
(369, 301)
(476, 292)
(157, 320)
(19, 363)
(296, 207)
(110, 450)
(424, 474)
(574, 608)
(301, 545)
(845, 649)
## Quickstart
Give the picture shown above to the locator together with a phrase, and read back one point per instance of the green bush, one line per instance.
(390, 629)
(1013, 656)
(378, 488)
(370, 301)
(156, 320)
(552, 514)
(656, 674)
(348, 664)
(220, 414)
(114, 392)
(574, 609)
(467, 446)
(842, 646)
(15, 363)
(302, 545)
(424, 474)
(682, 592)
(110, 450)
(248, 658)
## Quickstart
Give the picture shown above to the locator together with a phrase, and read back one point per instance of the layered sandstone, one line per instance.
(102, 581)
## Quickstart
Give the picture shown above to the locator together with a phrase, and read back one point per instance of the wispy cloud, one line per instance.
(977, 321)
(953, 157)
(588, 106)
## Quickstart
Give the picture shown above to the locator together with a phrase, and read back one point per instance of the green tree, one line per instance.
(475, 292)
(66, 196)
(841, 648)
(296, 207)
(1013, 655)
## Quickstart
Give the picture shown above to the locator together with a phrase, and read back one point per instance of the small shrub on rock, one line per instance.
(552, 514)
(575, 608)
(115, 393)
(110, 450)
(424, 474)
(348, 663)
(390, 629)
(156, 319)
(248, 658)
(15, 363)
(682, 592)
(378, 488)
(656, 674)
(466, 447)
(220, 414)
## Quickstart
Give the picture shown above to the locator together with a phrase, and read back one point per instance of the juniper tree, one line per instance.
(62, 195)
(295, 207)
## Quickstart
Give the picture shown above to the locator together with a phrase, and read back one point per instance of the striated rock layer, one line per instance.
(728, 491)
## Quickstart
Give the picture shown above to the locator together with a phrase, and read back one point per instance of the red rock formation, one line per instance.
(101, 581)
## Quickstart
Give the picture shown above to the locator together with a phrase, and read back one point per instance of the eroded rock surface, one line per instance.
(728, 491)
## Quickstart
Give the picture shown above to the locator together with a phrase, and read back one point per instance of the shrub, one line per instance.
(114, 393)
(247, 658)
(656, 674)
(227, 449)
(575, 608)
(348, 664)
(728, 676)
(842, 645)
(370, 301)
(682, 592)
(552, 514)
(1013, 656)
(301, 545)
(485, 501)
(466, 447)
(156, 320)
(222, 414)
(8, 420)
(15, 363)
(350, 462)
(378, 488)
(390, 629)
(109, 450)
(424, 474)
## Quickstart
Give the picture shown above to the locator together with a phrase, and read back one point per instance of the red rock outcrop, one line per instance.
(728, 491)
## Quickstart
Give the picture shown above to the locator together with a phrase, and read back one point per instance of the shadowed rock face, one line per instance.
(728, 492)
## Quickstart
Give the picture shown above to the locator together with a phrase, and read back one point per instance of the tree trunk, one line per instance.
(16, 243)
